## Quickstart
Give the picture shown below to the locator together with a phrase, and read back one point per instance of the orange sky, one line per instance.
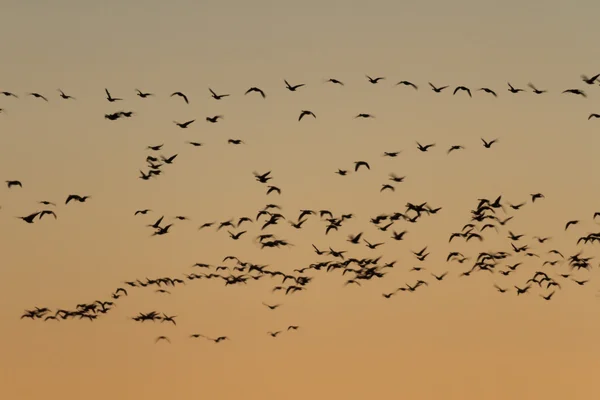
(455, 339)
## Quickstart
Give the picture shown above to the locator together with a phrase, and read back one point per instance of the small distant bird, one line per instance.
(490, 91)
(30, 218)
(142, 94)
(75, 197)
(11, 184)
(426, 147)
(576, 91)
(590, 81)
(513, 90)
(407, 83)
(64, 96)
(437, 89)
(272, 189)
(335, 81)
(358, 164)
(38, 96)
(184, 124)
(304, 113)
(454, 148)
(183, 96)
(217, 96)
(489, 144)
(166, 339)
(573, 222)
(593, 116)
(536, 196)
(257, 90)
(293, 88)
(47, 212)
(110, 98)
(374, 80)
(214, 119)
(463, 88)
(364, 115)
(536, 90)
(272, 307)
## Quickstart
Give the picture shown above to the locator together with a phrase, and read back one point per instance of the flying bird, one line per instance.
(217, 96)
(257, 90)
(462, 88)
(304, 113)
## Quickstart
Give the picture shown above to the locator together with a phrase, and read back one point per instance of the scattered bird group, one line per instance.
(548, 270)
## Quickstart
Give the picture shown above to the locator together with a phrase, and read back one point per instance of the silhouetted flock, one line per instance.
(550, 269)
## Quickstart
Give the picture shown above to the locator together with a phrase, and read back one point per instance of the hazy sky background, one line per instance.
(458, 339)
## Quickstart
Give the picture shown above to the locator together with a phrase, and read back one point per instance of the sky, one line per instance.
(454, 339)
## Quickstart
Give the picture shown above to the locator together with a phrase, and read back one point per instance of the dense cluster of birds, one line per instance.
(555, 271)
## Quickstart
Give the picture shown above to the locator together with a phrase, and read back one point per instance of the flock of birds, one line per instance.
(555, 271)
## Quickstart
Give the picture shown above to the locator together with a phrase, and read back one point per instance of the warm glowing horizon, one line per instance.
(455, 337)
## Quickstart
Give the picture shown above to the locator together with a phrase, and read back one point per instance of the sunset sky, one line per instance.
(458, 339)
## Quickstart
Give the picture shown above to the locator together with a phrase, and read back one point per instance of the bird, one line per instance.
(593, 115)
(489, 144)
(437, 89)
(64, 96)
(462, 88)
(569, 223)
(30, 218)
(143, 95)
(374, 80)
(217, 96)
(38, 96)
(536, 90)
(424, 148)
(164, 338)
(76, 197)
(272, 307)
(214, 119)
(257, 90)
(358, 164)
(304, 113)
(183, 96)
(335, 81)
(110, 98)
(576, 92)
(407, 83)
(292, 88)
(490, 91)
(184, 125)
(513, 90)
(590, 81)
(13, 183)
(454, 148)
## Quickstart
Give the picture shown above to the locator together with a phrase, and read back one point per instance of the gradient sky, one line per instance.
(458, 339)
